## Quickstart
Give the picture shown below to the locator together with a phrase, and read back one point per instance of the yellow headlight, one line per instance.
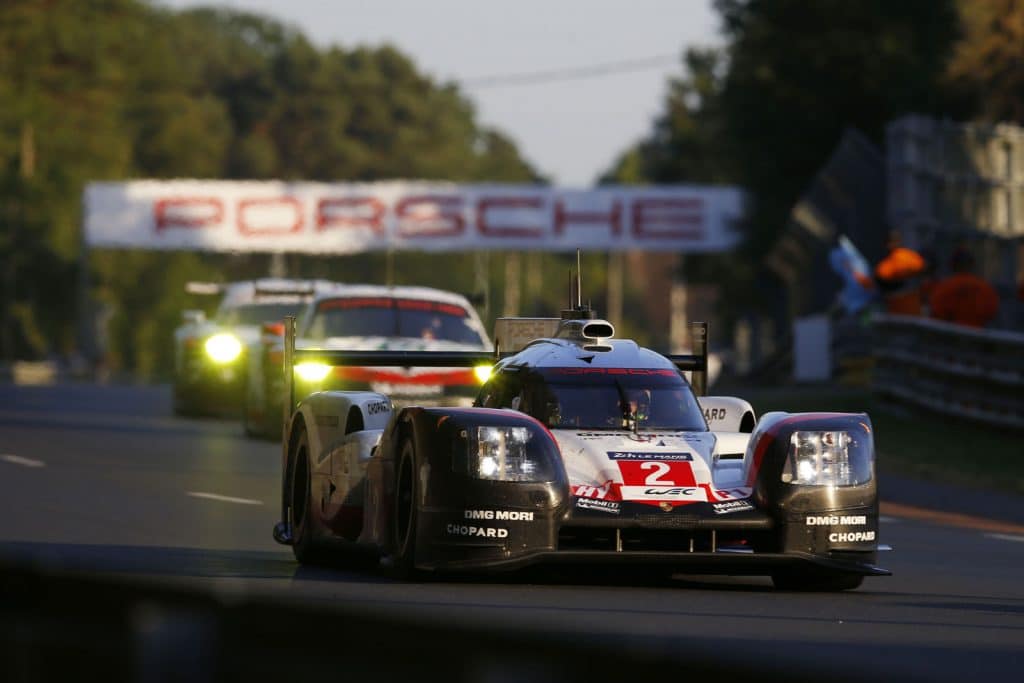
(482, 372)
(312, 372)
(223, 348)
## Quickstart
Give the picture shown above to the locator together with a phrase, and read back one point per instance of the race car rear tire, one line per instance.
(816, 581)
(404, 516)
(249, 427)
(300, 501)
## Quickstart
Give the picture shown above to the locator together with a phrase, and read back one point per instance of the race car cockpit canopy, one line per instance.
(599, 398)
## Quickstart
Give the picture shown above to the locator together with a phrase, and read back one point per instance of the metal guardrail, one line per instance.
(951, 369)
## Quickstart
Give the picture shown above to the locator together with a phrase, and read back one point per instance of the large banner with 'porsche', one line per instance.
(345, 218)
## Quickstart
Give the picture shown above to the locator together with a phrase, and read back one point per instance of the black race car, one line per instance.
(580, 448)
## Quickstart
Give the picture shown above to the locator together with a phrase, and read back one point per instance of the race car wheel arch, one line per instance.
(817, 519)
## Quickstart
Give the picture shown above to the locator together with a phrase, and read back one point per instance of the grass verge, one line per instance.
(910, 441)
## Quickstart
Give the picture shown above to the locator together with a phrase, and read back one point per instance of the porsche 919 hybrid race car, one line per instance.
(581, 448)
(209, 355)
(370, 317)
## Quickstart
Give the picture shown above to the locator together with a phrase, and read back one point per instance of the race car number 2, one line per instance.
(654, 469)
(657, 476)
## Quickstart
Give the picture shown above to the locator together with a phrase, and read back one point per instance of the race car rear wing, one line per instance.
(264, 290)
(204, 288)
(696, 363)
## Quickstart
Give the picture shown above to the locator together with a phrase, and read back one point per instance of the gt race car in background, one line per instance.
(370, 317)
(581, 448)
(209, 355)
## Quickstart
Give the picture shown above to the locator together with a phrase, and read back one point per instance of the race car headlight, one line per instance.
(504, 454)
(826, 458)
(223, 348)
(482, 373)
(312, 372)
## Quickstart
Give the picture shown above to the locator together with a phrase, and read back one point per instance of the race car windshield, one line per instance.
(382, 317)
(257, 314)
(610, 398)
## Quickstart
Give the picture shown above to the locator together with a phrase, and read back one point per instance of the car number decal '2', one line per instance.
(660, 470)
(657, 476)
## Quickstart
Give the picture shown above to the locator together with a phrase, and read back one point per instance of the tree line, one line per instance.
(116, 89)
(766, 108)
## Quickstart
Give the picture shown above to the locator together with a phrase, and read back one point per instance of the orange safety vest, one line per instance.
(965, 299)
(900, 270)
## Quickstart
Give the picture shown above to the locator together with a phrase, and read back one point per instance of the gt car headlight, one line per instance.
(223, 348)
(482, 373)
(824, 459)
(503, 454)
(312, 372)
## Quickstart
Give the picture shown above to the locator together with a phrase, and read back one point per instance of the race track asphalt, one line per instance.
(104, 479)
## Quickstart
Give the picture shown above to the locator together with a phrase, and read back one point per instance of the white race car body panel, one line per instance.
(727, 413)
(673, 467)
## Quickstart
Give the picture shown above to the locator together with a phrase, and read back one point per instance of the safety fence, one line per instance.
(955, 370)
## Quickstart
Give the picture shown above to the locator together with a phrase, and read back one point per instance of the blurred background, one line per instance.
(802, 106)
(879, 267)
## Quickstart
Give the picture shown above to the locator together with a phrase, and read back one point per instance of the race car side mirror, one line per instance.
(193, 317)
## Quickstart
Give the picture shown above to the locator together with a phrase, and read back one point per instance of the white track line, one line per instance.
(223, 499)
(1006, 537)
(24, 462)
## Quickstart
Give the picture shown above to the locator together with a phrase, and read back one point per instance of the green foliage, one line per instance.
(987, 69)
(799, 73)
(117, 89)
(684, 144)
(766, 110)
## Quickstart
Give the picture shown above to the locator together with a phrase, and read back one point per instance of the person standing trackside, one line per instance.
(899, 277)
(963, 297)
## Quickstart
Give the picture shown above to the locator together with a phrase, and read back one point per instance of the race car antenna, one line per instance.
(579, 281)
(577, 310)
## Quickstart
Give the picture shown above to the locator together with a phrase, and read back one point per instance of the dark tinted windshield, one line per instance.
(257, 314)
(598, 398)
(385, 317)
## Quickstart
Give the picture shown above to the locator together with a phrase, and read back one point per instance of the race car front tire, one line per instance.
(404, 517)
(816, 581)
(184, 402)
(301, 509)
